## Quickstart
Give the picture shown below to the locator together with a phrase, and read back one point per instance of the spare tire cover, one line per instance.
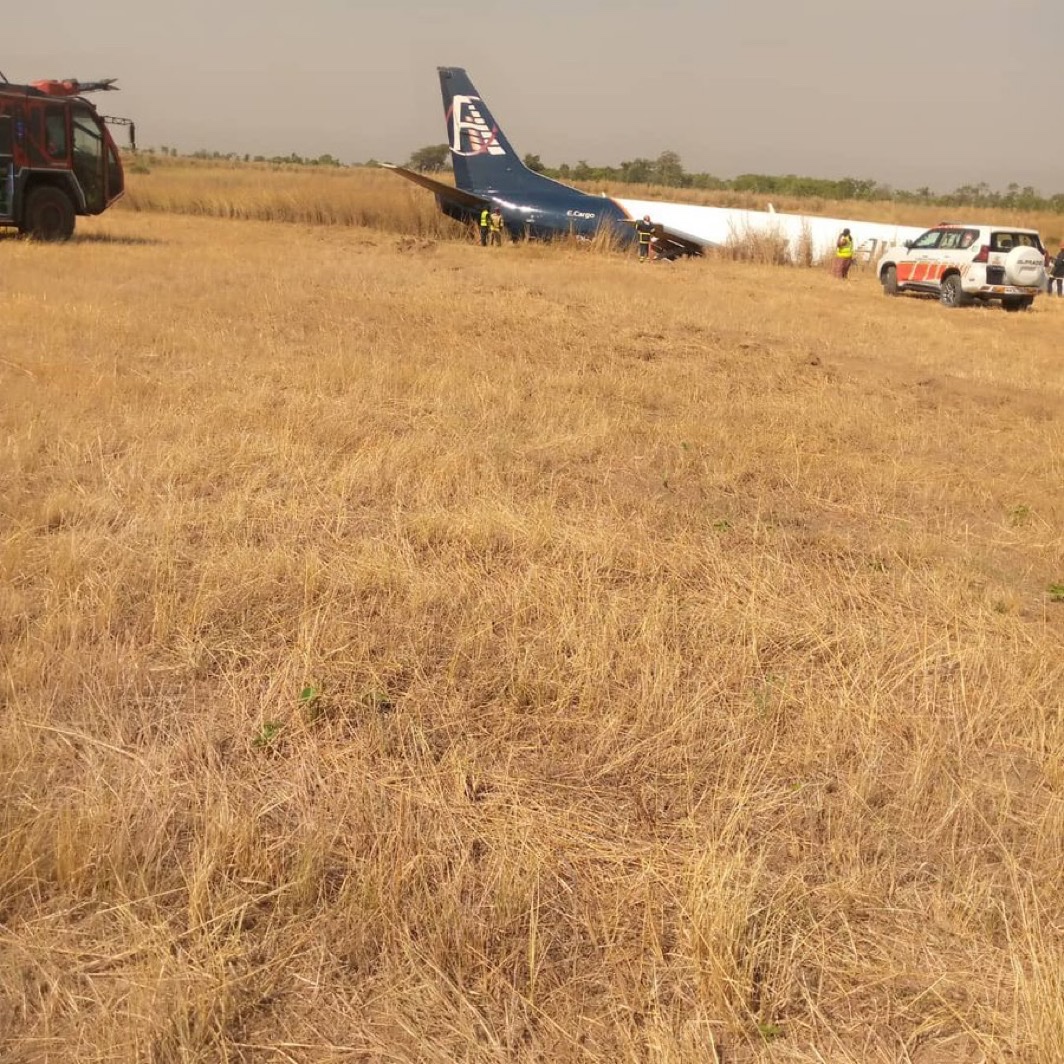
(1025, 266)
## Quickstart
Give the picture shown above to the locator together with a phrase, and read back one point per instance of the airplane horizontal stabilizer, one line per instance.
(444, 191)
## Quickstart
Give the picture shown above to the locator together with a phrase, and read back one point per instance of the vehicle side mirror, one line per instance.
(909, 243)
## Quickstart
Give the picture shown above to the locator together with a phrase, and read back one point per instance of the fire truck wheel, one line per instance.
(49, 214)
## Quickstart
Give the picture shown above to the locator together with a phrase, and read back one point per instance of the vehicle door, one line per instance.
(89, 158)
(7, 167)
(952, 251)
(917, 265)
(1002, 245)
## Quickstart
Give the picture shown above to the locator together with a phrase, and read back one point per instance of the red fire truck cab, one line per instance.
(57, 158)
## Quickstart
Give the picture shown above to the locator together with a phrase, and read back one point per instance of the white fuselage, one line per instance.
(721, 226)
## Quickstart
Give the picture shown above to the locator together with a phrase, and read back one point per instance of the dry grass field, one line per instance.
(411, 652)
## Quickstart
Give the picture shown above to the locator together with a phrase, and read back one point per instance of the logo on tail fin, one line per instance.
(480, 138)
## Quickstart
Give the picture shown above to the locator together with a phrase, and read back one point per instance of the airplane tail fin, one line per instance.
(482, 157)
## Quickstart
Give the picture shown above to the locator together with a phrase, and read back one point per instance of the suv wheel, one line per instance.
(49, 214)
(1014, 303)
(951, 294)
(890, 281)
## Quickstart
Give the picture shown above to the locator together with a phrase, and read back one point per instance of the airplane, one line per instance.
(488, 172)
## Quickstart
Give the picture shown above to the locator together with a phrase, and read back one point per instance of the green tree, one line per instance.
(668, 170)
(433, 157)
(533, 163)
(637, 171)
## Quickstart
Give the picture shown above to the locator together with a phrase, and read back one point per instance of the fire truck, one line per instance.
(57, 157)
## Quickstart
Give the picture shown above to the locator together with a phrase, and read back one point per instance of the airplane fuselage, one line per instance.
(489, 173)
(550, 213)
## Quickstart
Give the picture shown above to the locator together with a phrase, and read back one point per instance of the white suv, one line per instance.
(963, 263)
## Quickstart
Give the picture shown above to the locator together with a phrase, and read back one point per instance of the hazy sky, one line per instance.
(939, 94)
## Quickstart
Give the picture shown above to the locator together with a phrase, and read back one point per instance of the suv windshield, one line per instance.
(928, 240)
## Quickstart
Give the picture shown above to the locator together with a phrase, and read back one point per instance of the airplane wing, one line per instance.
(671, 242)
(440, 188)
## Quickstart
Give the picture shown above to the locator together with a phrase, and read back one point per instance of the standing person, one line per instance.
(645, 230)
(843, 254)
(495, 227)
(485, 222)
(1056, 273)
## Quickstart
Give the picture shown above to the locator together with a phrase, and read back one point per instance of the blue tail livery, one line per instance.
(488, 173)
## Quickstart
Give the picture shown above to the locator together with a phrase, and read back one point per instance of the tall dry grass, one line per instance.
(378, 199)
(412, 652)
(368, 198)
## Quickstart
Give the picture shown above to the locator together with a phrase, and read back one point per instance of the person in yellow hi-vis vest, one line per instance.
(495, 227)
(843, 254)
(485, 222)
(644, 229)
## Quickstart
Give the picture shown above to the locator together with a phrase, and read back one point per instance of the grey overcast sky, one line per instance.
(912, 94)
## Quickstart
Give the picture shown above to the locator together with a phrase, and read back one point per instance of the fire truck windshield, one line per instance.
(89, 159)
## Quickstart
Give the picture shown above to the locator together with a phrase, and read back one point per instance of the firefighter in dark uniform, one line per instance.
(645, 231)
(1056, 273)
(485, 223)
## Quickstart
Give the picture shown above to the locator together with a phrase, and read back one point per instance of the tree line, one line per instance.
(668, 170)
